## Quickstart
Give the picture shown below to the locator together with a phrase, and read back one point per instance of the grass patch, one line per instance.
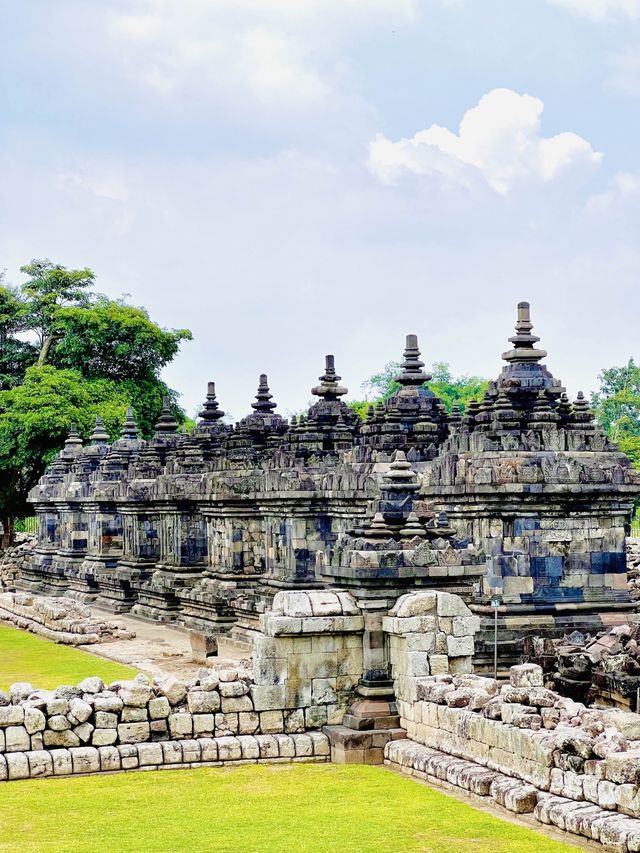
(253, 809)
(45, 664)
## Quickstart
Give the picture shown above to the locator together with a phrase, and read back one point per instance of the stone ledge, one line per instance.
(205, 752)
(613, 830)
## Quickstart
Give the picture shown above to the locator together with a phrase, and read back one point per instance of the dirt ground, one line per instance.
(157, 649)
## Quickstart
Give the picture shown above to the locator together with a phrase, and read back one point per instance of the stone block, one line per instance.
(229, 749)
(105, 720)
(17, 766)
(40, 763)
(203, 702)
(180, 725)
(17, 739)
(135, 694)
(236, 705)
(34, 720)
(84, 731)
(109, 758)
(271, 721)
(526, 675)
(134, 715)
(85, 759)
(104, 737)
(109, 702)
(203, 724)
(133, 732)
(248, 723)
(191, 753)
(459, 646)
(173, 689)
(11, 715)
(79, 711)
(249, 747)
(159, 708)
(172, 752)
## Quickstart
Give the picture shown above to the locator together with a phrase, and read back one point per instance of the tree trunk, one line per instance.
(7, 533)
(46, 346)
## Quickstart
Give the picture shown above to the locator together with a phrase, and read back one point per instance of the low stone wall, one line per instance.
(59, 619)
(171, 755)
(12, 559)
(556, 756)
(92, 727)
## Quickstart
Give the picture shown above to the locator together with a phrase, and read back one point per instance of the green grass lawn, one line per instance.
(267, 809)
(45, 664)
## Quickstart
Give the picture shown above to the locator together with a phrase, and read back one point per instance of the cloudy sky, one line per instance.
(288, 178)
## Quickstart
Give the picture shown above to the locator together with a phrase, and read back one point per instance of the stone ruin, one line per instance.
(354, 563)
(522, 497)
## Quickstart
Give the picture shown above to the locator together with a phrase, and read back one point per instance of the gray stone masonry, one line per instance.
(521, 496)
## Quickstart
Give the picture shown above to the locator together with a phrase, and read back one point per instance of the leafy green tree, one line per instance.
(66, 355)
(15, 354)
(617, 407)
(450, 389)
(50, 288)
(110, 338)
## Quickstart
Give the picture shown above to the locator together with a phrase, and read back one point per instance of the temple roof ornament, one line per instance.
(210, 411)
(73, 439)
(524, 351)
(166, 423)
(99, 434)
(329, 388)
(129, 427)
(412, 373)
(263, 402)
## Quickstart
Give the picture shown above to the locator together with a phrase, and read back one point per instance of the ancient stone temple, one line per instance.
(520, 498)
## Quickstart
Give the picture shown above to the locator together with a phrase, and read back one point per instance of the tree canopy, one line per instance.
(452, 390)
(68, 354)
(617, 407)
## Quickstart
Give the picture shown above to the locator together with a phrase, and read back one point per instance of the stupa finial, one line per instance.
(210, 411)
(129, 427)
(412, 372)
(524, 350)
(166, 423)
(99, 434)
(73, 439)
(263, 397)
(329, 388)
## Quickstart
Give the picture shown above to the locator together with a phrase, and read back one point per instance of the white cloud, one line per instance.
(601, 10)
(625, 75)
(275, 49)
(498, 140)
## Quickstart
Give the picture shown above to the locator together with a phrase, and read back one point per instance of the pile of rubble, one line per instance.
(12, 559)
(604, 669)
(529, 750)
(61, 619)
(633, 568)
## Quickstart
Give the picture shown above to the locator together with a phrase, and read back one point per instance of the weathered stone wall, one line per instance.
(310, 658)
(62, 620)
(13, 559)
(430, 633)
(530, 750)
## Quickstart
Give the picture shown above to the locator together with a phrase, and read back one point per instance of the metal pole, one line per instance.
(495, 643)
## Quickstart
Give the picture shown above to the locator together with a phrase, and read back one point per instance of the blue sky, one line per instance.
(292, 178)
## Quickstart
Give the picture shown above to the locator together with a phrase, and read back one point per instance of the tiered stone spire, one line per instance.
(73, 439)
(412, 372)
(166, 423)
(210, 412)
(263, 397)
(524, 350)
(99, 434)
(329, 388)
(129, 427)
